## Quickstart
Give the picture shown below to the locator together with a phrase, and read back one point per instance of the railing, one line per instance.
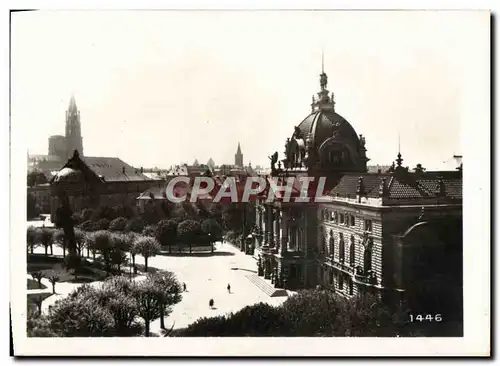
(339, 265)
(367, 279)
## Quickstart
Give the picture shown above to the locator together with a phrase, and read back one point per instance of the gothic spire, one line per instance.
(72, 102)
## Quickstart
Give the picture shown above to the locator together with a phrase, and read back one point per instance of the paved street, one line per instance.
(206, 278)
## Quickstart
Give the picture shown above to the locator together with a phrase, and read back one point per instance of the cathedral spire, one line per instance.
(72, 103)
(238, 157)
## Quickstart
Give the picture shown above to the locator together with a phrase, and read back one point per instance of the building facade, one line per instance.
(92, 182)
(376, 231)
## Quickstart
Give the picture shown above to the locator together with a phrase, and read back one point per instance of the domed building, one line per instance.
(325, 142)
(367, 233)
(91, 182)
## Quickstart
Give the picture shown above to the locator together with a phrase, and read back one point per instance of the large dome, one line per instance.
(323, 125)
(324, 140)
(69, 175)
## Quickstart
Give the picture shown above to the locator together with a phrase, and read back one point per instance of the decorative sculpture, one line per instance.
(274, 160)
(362, 141)
(297, 133)
(323, 80)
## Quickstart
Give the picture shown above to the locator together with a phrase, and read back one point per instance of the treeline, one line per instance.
(313, 313)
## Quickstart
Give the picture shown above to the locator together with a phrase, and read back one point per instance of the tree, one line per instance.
(136, 225)
(44, 236)
(188, 232)
(80, 315)
(59, 239)
(77, 218)
(32, 238)
(53, 277)
(37, 276)
(87, 214)
(170, 293)
(120, 245)
(87, 225)
(149, 298)
(102, 224)
(91, 245)
(118, 224)
(166, 233)
(36, 178)
(122, 304)
(38, 300)
(147, 247)
(149, 230)
(81, 240)
(212, 230)
(102, 242)
(32, 209)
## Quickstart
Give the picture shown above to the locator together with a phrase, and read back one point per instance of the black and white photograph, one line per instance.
(250, 182)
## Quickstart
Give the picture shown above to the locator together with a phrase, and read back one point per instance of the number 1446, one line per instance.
(426, 317)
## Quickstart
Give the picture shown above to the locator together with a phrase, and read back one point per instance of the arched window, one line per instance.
(367, 264)
(352, 252)
(332, 244)
(341, 249)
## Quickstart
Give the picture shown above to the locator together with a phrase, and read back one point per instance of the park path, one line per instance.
(206, 277)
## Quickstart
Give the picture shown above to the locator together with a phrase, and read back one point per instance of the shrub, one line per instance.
(87, 225)
(118, 224)
(166, 233)
(149, 230)
(136, 225)
(102, 224)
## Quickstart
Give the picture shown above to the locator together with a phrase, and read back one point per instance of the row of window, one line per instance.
(367, 256)
(341, 279)
(346, 219)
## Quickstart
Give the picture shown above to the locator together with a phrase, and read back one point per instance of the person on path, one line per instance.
(184, 286)
(228, 288)
(211, 303)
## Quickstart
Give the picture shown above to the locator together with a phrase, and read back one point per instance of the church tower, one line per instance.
(238, 157)
(73, 129)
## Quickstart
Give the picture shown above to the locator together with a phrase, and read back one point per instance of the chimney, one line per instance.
(142, 170)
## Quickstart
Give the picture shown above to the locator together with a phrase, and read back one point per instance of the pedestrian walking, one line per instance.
(211, 303)
(184, 286)
(228, 288)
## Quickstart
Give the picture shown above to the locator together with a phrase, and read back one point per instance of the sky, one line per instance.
(157, 88)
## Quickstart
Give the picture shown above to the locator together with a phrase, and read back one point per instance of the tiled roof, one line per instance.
(402, 185)
(113, 169)
(349, 182)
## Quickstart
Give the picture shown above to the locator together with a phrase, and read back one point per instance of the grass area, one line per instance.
(88, 271)
(33, 285)
(32, 299)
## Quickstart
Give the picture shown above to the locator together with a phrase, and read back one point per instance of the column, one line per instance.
(284, 232)
(278, 229)
(271, 227)
(265, 226)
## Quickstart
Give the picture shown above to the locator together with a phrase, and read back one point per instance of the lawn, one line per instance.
(32, 298)
(33, 285)
(88, 271)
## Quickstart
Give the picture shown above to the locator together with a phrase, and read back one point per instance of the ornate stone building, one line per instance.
(376, 232)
